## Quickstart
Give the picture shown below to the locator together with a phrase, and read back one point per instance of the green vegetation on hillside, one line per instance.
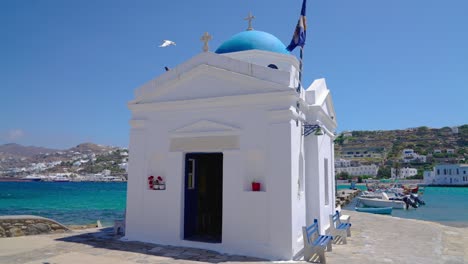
(384, 148)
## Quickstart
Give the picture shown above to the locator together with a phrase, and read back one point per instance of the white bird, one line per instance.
(166, 43)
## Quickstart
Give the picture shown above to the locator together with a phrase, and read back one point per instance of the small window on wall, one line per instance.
(325, 173)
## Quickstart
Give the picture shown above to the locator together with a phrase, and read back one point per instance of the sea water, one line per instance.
(86, 202)
(445, 205)
(76, 203)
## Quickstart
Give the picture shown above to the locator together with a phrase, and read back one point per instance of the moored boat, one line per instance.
(61, 179)
(14, 179)
(372, 202)
(32, 178)
(379, 210)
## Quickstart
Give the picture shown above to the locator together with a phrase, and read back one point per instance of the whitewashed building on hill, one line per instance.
(402, 173)
(202, 132)
(447, 174)
(361, 170)
(409, 155)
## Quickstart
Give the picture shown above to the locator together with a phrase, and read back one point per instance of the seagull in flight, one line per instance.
(167, 43)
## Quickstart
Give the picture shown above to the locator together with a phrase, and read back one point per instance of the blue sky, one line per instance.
(68, 68)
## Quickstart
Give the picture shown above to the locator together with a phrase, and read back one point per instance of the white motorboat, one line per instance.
(61, 178)
(33, 178)
(375, 202)
(379, 194)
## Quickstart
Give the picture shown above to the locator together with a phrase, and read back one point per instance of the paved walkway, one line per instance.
(385, 239)
(375, 239)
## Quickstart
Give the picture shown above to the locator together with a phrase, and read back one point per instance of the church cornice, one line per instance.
(203, 75)
(261, 53)
(317, 104)
(205, 128)
(207, 60)
(291, 113)
(280, 97)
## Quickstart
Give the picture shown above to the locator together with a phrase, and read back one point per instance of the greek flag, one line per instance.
(299, 36)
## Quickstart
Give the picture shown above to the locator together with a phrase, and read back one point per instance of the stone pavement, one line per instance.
(100, 246)
(386, 239)
(375, 239)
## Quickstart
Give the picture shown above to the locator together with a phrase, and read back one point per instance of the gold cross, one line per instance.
(250, 18)
(205, 38)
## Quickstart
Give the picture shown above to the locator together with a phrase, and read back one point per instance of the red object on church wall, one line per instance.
(150, 182)
(255, 186)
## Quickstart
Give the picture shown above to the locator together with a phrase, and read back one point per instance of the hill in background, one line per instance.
(86, 158)
(382, 148)
(13, 149)
(385, 148)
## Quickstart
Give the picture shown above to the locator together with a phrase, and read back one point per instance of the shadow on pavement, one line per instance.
(104, 238)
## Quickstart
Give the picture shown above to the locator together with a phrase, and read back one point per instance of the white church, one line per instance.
(228, 155)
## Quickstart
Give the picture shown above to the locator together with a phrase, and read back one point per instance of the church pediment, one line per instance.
(319, 99)
(329, 108)
(204, 128)
(209, 76)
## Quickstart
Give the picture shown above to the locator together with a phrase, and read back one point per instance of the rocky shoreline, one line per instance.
(345, 196)
(26, 225)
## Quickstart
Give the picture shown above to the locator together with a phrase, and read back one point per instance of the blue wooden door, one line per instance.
(203, 197)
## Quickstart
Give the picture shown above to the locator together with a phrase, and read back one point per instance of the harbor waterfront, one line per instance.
(400, 241)
(70, 203)
(81, 203)
(445, 205)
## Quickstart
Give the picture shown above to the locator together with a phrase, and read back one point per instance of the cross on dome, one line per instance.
(205, 38)
(250, 18)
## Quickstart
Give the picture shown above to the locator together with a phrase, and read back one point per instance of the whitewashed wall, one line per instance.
(317, 149)
(254, 223)
(206, 101)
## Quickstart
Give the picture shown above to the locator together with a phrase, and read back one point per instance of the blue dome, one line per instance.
(251, 40)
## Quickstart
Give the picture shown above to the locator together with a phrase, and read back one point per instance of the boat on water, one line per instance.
(395, 187)
(33, 178)
(373, 202)
(13, 179)
(61, 179)
(373, 210)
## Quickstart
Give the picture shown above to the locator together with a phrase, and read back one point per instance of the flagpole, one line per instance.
(298, 39)
(300, 70)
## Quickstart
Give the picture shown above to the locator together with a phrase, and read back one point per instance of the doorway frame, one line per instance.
(187, 156)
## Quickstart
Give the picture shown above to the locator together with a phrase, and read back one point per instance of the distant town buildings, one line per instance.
(447, 174)
(347, 134)
(450, 151)
(342, 163)
(364, 152)
(409, 155)
(354, 168)
(124, 166)
(402, 173)
(69, 165)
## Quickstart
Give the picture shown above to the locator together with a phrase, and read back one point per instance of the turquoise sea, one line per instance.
(446, 205)
(86, 202)
(66, 202)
